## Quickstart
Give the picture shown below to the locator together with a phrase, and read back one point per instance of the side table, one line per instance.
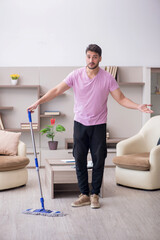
(59, 172)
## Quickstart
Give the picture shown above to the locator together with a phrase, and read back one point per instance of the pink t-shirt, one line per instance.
(91, 95)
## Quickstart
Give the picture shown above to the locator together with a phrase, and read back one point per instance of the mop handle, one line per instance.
(33, 140)
(35, 157)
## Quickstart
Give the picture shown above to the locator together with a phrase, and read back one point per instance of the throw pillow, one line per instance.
(9, 143)
(158, 143)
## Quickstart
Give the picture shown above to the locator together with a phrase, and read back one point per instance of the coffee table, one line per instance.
(58, 172)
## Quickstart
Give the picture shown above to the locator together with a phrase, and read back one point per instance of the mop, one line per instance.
(42, 211)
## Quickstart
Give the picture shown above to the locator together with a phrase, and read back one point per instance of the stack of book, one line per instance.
(112, 70)
(27, 125)
(54, 113)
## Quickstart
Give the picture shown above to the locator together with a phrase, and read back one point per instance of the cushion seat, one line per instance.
(9, 163)
(138, 161)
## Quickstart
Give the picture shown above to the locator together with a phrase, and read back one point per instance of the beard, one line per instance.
(94, 66)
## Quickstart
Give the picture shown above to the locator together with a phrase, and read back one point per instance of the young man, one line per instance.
(91, 86)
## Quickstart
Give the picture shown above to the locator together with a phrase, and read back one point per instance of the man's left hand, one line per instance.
(144, 108)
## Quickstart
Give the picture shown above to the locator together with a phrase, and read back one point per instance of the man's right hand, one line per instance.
(32, 107)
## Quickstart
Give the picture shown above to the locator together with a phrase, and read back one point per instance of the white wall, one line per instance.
(56, 32)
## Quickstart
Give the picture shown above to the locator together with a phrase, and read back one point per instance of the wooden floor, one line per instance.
(125, 214)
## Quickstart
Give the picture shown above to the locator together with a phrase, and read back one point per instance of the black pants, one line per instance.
(93, 138)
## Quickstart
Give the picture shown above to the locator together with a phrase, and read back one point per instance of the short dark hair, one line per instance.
(94, 48)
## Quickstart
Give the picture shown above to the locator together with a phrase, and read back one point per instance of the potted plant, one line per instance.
(50, 133)
(14, 78)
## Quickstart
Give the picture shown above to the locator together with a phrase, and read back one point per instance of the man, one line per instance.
(91, 86)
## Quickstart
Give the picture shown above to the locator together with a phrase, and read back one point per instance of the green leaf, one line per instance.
(60, 128)
(47, 129)
(50, 135)
(43, 130)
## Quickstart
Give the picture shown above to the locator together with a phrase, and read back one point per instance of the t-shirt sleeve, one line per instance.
(113, 84)
(69, 80)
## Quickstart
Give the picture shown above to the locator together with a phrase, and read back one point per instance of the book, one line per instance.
(1, 124)
(52, 113)
(27, 125)
(89, 164)
(115, 72)
(68, 160)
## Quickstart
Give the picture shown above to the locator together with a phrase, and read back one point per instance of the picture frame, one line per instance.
(1, 123)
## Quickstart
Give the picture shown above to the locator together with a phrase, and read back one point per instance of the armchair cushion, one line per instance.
(138, 161)
(9, 143)
(8, 163)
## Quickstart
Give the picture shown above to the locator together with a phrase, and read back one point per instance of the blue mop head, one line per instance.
(43, 212)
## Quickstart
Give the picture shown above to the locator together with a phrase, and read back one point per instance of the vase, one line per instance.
(14, 81)
(53, 145)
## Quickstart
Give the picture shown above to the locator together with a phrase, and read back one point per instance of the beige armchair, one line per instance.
(138, 158)
(13, 171)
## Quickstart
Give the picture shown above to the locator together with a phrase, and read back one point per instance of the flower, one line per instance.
(53, 121)
(49, 129)
(14, 76)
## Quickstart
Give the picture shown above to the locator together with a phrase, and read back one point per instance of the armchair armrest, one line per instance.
(135, 144)
(155, 158)
(21, 149)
